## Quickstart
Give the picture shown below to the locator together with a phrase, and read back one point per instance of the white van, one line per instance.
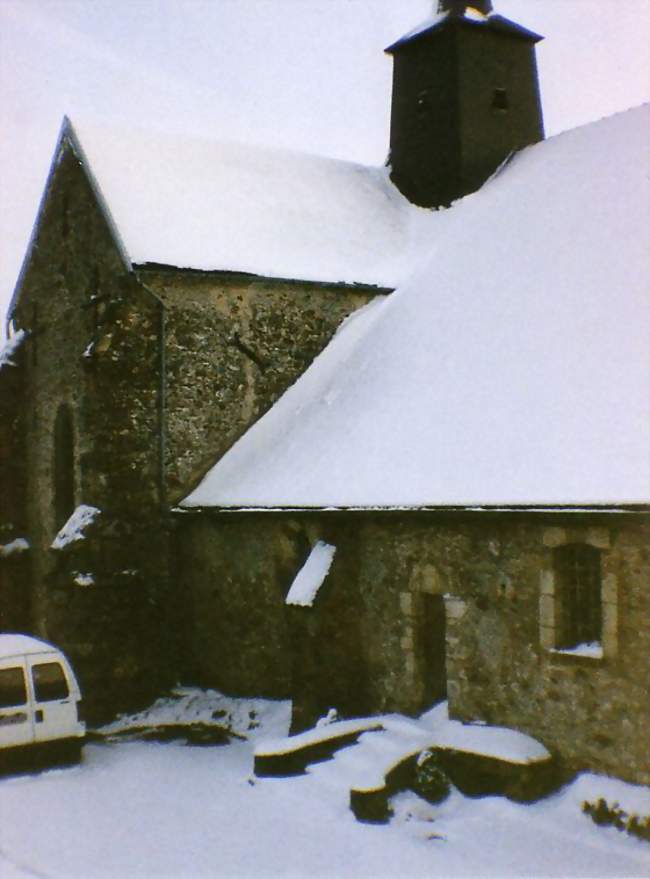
(40, 700)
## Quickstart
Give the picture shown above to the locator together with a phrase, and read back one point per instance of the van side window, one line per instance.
(12, 688)
(49, 682)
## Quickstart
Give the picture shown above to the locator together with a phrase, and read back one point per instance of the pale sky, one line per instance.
(305, 74)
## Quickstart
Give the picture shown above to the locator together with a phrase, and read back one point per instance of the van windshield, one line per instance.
(12, 687)
(49, 682)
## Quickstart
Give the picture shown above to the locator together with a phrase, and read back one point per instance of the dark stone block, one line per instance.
(295, 761)
(479, 776)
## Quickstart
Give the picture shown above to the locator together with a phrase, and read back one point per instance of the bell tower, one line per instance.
(465, 96)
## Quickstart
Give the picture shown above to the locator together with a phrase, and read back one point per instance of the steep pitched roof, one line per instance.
(202, 204)
(512, 368)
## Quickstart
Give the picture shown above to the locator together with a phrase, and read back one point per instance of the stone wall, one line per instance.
(93, 362)
(490, 573)
(235, 573)
(233, 344)
(14, 556)
(493, 570)
(503, 665)
(149, 376)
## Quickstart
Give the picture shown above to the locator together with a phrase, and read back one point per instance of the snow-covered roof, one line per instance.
(209, 205)
(512, 368)
(19, 645)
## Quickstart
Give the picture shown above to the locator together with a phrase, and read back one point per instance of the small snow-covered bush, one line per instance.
(431, 783)
(604, 815)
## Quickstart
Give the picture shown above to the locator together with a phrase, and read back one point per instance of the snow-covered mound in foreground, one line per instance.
(513, 367)
(184, 706)
(140, 810)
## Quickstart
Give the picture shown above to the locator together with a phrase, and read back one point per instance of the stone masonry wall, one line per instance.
(14, 558)
(94, 349)
(503, 668)
(235, 572)
(233, 576)
(493, 571)
(233, 344)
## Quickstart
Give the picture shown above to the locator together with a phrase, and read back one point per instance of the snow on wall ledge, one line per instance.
(10, 347)
(311, 576)
(73, 530)
(512, 368)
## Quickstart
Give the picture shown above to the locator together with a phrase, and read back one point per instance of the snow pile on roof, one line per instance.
(76, 525)
(15, 546)
(8, 350)
(208, 205)
(513, 367)
(311, 576)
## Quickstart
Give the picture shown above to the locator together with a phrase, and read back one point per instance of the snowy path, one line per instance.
(139, 810)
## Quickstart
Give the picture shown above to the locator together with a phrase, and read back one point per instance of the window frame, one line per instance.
(25, 692)
(552, 631)
(45, 691)
(578, 578)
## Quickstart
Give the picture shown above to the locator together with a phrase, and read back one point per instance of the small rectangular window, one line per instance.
(578, 589)
(500, 99)
(12, 687)
(49, 682)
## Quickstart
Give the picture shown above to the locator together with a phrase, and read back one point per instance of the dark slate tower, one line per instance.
(465, 96)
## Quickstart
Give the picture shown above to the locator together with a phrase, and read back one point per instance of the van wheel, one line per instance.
(71, 753)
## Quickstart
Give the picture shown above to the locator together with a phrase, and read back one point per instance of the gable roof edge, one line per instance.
(67, 138)
(494, 22)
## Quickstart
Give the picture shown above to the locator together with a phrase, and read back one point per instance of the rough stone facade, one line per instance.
(490, 570)
(233, 344)
(14, 560)
(235, 571)
(92, 414)
(131, 383)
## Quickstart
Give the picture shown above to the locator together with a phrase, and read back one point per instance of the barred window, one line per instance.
(578, 593)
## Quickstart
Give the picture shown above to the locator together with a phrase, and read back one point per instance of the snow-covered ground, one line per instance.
(135, 810)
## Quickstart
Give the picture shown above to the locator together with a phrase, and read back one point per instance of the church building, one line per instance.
(366, 438)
